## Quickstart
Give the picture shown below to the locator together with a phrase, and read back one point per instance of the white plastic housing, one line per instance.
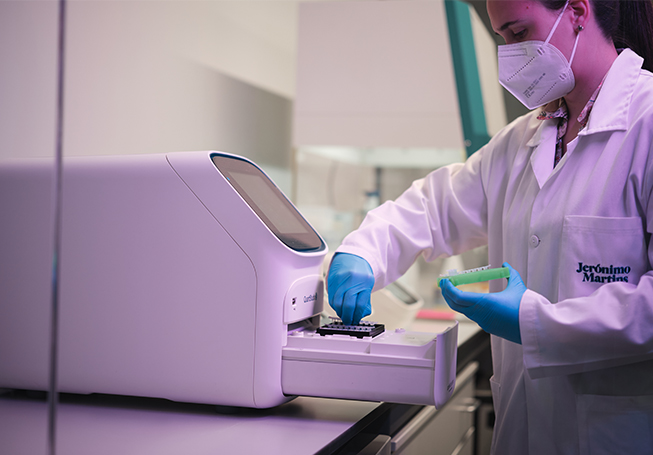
(171, 286)
(396, 366)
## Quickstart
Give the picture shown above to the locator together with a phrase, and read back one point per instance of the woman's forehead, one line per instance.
(505, 12)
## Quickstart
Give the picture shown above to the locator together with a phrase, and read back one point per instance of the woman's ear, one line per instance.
(581, 12)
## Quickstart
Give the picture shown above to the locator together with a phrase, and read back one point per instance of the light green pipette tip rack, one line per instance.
(476, 275)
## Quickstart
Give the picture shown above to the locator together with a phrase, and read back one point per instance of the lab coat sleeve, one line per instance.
(442, 214)
(609, 328)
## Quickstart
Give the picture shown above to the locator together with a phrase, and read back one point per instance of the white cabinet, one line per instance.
(447, 431)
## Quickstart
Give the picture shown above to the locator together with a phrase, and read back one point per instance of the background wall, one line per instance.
(158, 76)
(146, 76)
(28, 38)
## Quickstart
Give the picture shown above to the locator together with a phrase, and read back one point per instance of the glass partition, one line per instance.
(137, 77)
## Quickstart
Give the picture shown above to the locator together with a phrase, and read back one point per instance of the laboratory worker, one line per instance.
(563, 196)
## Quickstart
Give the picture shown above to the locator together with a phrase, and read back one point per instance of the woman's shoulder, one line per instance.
(632, 83)
(642, 99)
(640, 105)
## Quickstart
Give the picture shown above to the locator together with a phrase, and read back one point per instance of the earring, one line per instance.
(580, 28)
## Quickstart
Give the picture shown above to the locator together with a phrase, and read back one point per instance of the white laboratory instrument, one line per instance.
(187, 276)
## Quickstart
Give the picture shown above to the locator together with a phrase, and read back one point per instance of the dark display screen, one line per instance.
(269, 203)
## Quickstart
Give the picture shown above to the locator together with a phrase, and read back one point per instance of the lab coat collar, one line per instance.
(610, 111)
(543, 146)
(545, 128)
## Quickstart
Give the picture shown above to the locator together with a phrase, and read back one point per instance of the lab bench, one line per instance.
(104, 424)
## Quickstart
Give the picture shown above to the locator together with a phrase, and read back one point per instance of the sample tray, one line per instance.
(361, 330)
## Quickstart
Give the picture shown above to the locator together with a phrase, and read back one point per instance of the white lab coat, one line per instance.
(580, 236)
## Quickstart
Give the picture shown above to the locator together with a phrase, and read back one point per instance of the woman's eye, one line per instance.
(520, 34)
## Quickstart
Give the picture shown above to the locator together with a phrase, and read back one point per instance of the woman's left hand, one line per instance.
(496, 313)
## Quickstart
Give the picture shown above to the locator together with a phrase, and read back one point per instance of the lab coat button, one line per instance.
(535, 241)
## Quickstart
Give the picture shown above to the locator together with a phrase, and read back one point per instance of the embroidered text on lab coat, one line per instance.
(603, 274)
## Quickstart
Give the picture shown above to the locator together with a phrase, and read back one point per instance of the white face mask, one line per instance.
(536, 72)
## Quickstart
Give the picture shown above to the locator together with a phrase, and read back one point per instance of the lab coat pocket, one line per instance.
(495, 388)
(615, 425)
(600, 250)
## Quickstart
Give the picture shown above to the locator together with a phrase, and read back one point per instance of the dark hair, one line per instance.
(629, 23)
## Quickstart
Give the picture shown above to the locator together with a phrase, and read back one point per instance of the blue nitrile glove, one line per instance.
(497, 313)
(349, 284)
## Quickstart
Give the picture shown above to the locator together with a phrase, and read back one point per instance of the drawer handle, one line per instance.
(464, 441)
(416, 425)
(468, 406)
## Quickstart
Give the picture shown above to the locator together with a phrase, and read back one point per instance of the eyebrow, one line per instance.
(508, 24)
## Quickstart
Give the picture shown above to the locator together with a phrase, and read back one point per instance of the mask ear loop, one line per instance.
(555, 26)
(573, 51)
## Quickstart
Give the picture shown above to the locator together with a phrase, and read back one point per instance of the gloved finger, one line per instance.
(348, 307)
(453, 296)
(336, 304)
(363, 306)
(515, 277)
(336, 295)
(335, 299)
(334, 283)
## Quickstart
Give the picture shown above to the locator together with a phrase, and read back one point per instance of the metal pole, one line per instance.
(56, 256)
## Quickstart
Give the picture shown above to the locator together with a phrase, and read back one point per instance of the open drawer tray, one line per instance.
(396, 366)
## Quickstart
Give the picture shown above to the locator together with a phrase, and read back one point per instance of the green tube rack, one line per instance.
(476, 275)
